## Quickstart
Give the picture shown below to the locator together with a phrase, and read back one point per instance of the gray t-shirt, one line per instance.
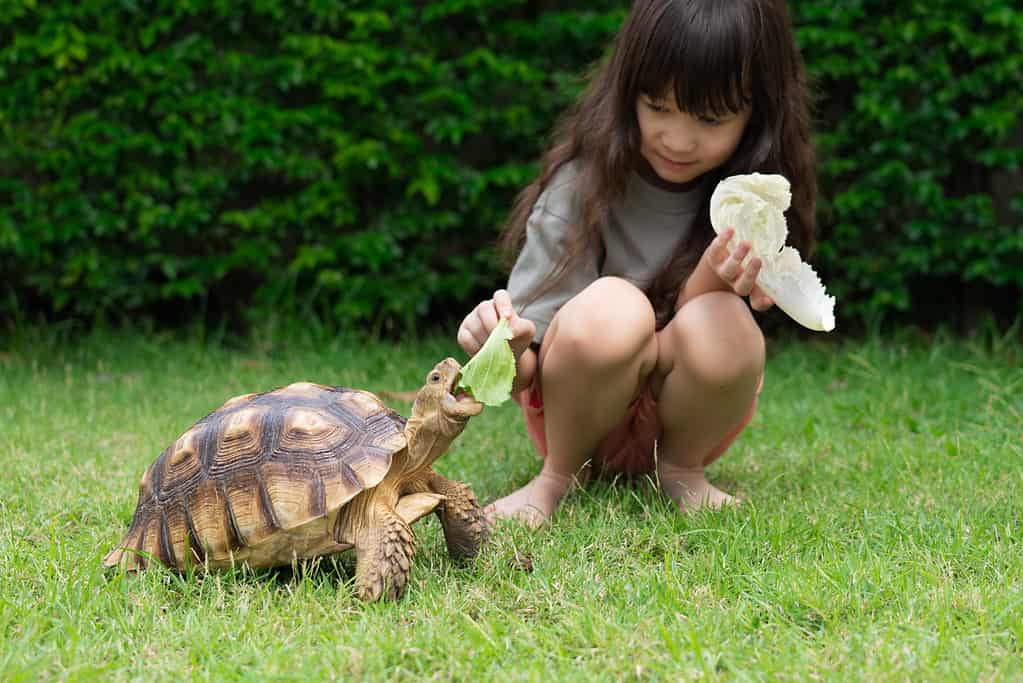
(646, 227)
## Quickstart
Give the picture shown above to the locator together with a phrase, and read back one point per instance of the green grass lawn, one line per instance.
(882, 535)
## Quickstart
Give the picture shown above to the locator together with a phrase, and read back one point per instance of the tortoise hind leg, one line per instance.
(383, 557)
(465, 527)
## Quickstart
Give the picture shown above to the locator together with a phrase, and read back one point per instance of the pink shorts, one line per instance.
(629, 448)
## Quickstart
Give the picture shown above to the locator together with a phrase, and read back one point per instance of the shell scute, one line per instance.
(242, 440)
(362, 403)
(150, 543)
(207, 508)
(181, 538)
(295, 494)
(303, 389)
(245, 507)
(181, 463)
(237, 401)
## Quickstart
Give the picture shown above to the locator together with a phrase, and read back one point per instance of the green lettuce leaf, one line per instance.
(489, 374)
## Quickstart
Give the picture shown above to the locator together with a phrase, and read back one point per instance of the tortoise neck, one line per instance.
(428, 438)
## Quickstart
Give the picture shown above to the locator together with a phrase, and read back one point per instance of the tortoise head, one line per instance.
(438, 415)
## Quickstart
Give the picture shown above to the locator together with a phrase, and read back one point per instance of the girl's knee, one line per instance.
(608, 322)
(717, 339)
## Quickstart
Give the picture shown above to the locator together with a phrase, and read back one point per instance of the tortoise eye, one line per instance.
(435, 377)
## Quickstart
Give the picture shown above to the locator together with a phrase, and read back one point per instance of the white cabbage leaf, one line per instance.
(754, 205)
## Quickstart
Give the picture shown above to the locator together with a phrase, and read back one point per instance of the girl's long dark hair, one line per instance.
(718, 56)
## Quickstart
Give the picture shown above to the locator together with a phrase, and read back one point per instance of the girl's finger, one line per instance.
(758, 300)
(729, 271)
(468, 341)
(474, 327)
(523, 332)
(487, 314)
(718, 249)
(503, 304)
(744, 284)
(732, 267)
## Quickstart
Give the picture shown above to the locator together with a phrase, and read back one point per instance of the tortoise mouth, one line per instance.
(463, 405)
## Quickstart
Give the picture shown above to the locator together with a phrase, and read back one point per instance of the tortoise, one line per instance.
(307, 470)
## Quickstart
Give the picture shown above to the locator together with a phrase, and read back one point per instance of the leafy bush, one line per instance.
(919, 107)
(356, 159)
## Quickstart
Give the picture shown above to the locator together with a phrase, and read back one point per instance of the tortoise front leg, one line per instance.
(465, 527)
(383, 557)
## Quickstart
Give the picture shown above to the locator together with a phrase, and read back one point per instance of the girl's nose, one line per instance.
(680, 140)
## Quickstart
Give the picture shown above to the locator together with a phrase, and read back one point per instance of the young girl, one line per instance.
(635, 348)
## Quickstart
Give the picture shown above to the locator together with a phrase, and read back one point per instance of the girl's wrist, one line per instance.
(703, 279)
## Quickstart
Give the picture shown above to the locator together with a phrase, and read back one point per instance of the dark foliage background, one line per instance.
(354, 160)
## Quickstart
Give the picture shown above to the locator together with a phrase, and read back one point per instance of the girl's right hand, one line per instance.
(742, 279)
(478, 325)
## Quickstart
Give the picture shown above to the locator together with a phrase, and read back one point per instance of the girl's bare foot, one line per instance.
(689, 488)
(535, 502)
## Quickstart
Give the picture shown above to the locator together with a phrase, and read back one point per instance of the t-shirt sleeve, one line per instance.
(546, 232)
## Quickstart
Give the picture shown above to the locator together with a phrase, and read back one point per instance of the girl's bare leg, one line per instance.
(710, 360)
(597, 353)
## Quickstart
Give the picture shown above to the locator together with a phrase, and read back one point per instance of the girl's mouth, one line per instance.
(679, 164)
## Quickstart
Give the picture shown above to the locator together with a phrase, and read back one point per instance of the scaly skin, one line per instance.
(465, 527)
(384, 554)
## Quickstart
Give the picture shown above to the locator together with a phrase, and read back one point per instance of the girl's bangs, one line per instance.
(704, 56)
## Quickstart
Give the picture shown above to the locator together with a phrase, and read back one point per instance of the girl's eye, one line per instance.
(656, 106)
(711, 121)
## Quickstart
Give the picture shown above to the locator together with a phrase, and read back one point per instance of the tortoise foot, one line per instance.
(463, 521)
(384, 559)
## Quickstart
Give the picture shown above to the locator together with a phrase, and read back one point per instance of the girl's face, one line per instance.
(679, 146)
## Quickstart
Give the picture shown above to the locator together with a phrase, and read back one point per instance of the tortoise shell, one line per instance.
(259, 465)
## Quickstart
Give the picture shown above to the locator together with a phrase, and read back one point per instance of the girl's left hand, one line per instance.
(729, 267)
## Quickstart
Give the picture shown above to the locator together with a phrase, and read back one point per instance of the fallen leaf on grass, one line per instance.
(521, 562)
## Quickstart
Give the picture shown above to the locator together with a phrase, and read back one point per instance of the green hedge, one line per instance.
(356, 159)
(919, 138)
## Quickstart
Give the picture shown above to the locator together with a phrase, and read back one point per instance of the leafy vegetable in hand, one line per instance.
(489, 374)
(754, 205)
